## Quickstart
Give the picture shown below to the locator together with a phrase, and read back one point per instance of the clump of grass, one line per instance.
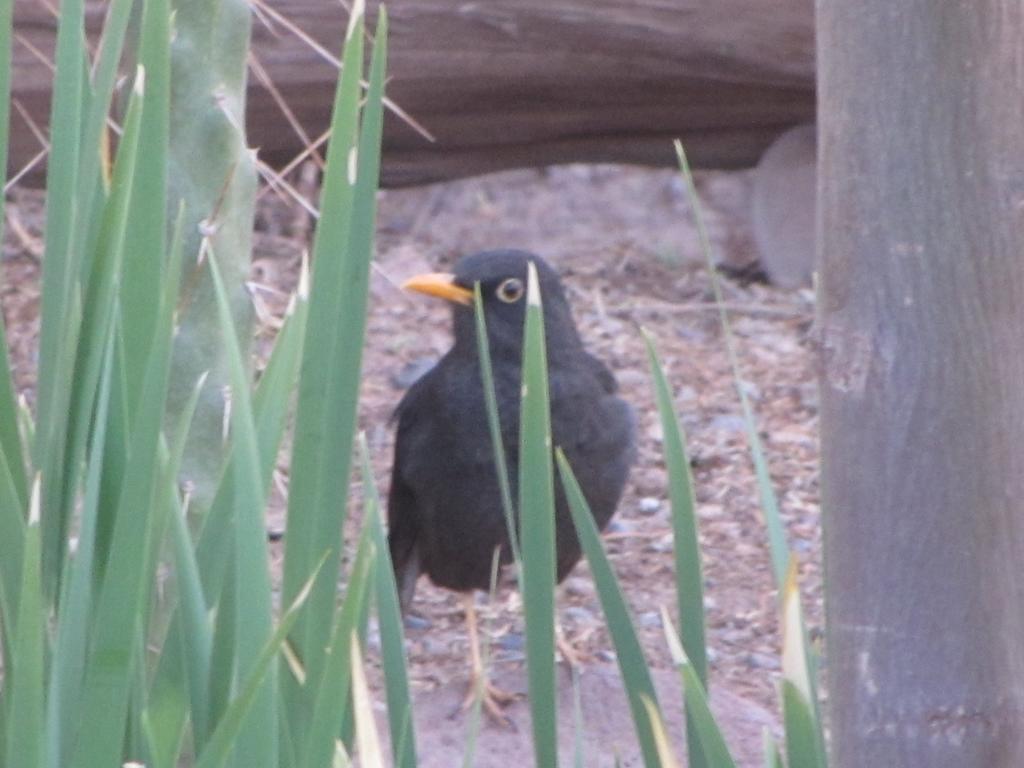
(96, 670)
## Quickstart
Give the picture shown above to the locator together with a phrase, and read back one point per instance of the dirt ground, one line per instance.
(624, 241)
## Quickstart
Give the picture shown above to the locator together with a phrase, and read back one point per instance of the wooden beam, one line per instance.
(512, 83)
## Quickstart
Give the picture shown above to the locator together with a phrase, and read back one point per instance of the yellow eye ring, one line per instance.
(511, 290)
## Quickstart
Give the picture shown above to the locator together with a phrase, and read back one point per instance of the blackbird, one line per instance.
(445, 515)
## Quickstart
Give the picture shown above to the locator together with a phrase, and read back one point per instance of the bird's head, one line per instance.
(502, 276)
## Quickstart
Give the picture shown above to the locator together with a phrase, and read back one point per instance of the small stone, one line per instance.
(432, 647)
(661, 545)
(630, 377)
(417, 623)
(606, 655)
(649, 505)
(512, 641)
(728, 422)
(735, 637)
(650, 619)
(710, 511)
(762, 661)
(686, 394)
(379, 436)
(412, 371)
(611, 327)
(373, 639)
(579, 615)
(618, 525)
(577, 586)
(650, 482)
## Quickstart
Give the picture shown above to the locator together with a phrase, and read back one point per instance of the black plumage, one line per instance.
(445, 515)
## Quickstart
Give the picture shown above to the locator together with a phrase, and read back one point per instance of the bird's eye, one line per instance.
(510, 291)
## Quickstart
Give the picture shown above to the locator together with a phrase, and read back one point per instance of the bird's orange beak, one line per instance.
(440, 284)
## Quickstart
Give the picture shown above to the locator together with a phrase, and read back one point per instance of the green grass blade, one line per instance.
(58, 325)
(216, 752)
(782, 560)
(10, 436)
(101, 288)
(74, 626)
(689, 580)
(331, 706)
(636, 675)
(24, 738)
(274, 391)
(10, 442)
(146, 236)
(101, 282)
(192, 637)
(61, 185)
(211, 558)
(12, 541)
(161, 734)
(222, 653)
(165, 706)
(134, 740)
(806, 742)
(195, 622)
(689, 574)
(270, 403)
(666, 757)
(389, 619)
(579, 754)
(802, 746)
(322, 447)
(95, 110)
(716, 751)
(769, 503)
(494, 425)
(772, 756)
(6, 33)
(125, 583)
(188, 632)
(537, 521)
(26, 424)
(115, 457)
(257, 743)
(370, 753)
(116, 460)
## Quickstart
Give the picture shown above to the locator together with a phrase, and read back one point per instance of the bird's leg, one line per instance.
(569, 654)
(492, 697)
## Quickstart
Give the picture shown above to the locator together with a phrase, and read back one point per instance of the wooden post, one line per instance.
(921, 140)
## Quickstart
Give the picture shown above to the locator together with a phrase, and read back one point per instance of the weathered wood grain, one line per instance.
(509, 83)
(921, 311)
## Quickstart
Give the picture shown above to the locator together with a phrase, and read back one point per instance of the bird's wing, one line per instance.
(593, 425)
(402, 535)
(603, 374)
(403, 517)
